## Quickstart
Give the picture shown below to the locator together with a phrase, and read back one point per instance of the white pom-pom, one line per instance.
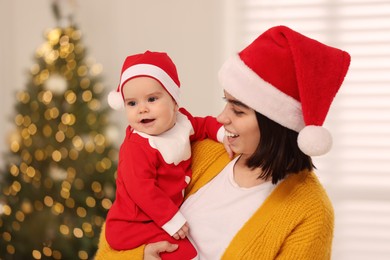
(115, 100)
(314, 140)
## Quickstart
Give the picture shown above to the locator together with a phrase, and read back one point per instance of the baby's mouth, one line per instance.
(145, 121)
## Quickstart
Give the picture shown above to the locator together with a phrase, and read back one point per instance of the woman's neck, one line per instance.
(244, 176)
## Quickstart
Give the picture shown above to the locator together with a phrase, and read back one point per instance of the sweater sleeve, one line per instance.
(312, 239)
(205, 127)
(105, 252)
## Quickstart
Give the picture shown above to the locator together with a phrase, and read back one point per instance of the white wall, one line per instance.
(190, 31)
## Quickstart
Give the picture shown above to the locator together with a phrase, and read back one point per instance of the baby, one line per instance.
(155, 157)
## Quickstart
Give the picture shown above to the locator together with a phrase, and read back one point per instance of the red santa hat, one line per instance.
(156, 65)
(291, 79)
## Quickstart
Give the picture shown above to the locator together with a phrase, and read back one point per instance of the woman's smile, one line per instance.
(228, 134)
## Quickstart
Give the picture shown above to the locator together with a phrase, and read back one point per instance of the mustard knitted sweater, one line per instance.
(295, 222)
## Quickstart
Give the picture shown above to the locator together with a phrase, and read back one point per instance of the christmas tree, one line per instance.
(59, 179)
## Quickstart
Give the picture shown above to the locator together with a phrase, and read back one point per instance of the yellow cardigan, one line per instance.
(295, 222)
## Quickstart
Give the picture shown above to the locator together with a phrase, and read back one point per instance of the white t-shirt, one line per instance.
(217, 211)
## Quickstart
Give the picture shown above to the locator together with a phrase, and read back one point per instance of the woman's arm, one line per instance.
(309, 241)
(146, 252)
(105, 252)
(312, 237)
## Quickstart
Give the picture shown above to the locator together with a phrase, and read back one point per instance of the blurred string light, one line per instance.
(62, 163)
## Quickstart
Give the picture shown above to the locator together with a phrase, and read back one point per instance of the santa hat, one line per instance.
(291, 79)
(156, 65)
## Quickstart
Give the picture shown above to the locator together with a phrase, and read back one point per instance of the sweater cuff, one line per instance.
(221, 134)
(173, 225)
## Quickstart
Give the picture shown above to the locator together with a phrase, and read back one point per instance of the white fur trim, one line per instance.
(173, 225)
(155, 72)
(314, 140)
(221, 134)
(187, 179)
(115, 100)
(174, 144)
(245, 85)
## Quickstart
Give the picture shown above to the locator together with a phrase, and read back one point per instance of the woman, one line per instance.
(267, 202)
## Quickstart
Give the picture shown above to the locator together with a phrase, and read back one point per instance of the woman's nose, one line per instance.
(222, 117)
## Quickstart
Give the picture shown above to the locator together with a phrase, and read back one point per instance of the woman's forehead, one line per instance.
(233, 100)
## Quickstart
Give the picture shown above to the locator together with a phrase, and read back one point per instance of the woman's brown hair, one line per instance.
(277, 153)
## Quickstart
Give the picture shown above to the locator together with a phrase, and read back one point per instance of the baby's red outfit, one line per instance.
(150, 185)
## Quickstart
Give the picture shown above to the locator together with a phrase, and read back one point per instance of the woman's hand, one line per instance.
(227, 147)
(153, 250)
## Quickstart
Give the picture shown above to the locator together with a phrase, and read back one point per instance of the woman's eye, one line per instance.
(237, 112)
(152, 99)
(131, 103)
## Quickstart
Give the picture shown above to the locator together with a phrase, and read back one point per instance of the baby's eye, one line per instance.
(131, 103)
(152, 99)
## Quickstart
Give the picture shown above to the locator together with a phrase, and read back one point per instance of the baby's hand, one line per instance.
(227, 147)
(182, 232)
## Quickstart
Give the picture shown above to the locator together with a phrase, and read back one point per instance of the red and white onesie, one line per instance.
(153, 172)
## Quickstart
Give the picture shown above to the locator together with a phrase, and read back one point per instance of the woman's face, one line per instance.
(241, 126)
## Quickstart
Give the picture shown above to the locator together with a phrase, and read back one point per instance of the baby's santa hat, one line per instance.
(156, 65)
(291, 79)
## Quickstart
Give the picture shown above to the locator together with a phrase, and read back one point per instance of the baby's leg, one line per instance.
(123, 235)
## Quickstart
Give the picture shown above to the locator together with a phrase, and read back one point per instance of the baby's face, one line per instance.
(149, 107)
